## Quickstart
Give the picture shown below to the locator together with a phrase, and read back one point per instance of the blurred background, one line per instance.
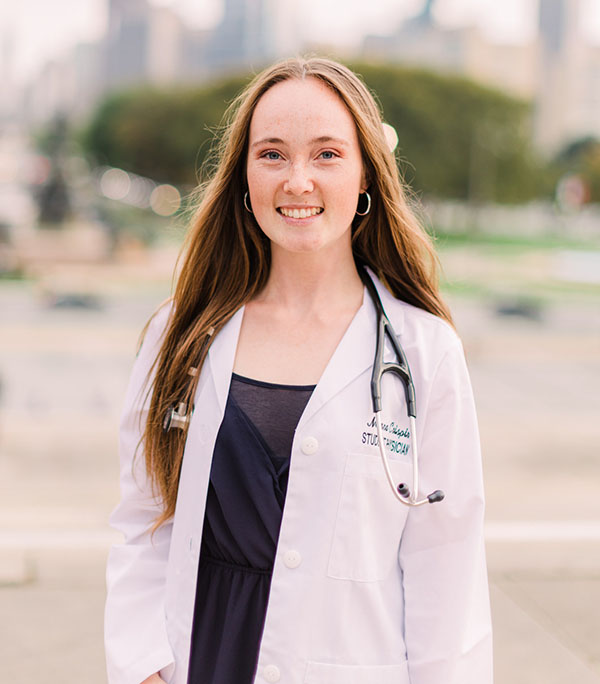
(107, 114)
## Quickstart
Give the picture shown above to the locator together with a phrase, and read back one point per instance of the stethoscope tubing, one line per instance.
(411, 499)
(180, 417)
(400, 368)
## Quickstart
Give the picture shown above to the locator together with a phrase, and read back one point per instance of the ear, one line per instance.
(364, 180)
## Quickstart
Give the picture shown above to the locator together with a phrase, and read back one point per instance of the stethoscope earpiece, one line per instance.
(403, 490)
(436, 496)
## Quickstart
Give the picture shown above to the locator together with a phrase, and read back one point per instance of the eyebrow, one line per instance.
(320, 139)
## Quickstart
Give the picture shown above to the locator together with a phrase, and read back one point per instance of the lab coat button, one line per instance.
(271, 673)
(309, 445)
(292, 558)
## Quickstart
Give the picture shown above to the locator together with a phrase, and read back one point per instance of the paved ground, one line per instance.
(63, 374)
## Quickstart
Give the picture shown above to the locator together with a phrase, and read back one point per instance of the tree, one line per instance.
(457, 139)
(161, 134)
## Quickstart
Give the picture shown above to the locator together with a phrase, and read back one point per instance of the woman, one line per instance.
(262, 540)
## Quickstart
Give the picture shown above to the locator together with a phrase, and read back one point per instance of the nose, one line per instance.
(299, 180)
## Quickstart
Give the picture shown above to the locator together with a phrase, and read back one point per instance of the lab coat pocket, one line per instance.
(369, 521)
(326, 673)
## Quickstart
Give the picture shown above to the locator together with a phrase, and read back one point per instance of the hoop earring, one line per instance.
(246, 202)
(364, 213)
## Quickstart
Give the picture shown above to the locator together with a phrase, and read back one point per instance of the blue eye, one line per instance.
(272, 155)
(328, 154)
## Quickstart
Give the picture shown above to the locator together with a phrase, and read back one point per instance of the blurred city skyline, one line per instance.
(546, 52)
(31, 35)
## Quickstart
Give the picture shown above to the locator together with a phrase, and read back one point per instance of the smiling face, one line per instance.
(304, 167)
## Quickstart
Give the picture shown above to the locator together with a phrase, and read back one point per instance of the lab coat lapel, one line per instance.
(221, 356)
(356, 350)
(353, 355)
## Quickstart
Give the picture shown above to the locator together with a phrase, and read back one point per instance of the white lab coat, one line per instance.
(364, 590)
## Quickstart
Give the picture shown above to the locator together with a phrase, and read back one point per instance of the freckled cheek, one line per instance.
(262, 190)
(346, 186)
(345, 194)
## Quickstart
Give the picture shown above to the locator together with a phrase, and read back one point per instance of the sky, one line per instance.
(33, 31)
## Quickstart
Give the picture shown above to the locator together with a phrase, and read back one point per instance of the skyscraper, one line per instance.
(562, 54)
(246, 36)
(127, 42)
(553, 16)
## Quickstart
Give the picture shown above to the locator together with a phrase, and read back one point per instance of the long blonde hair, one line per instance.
(226, 258)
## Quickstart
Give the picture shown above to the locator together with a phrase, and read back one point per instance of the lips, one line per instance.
(300, 213)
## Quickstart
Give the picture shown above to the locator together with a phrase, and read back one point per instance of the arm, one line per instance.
(135, 630)
(447, 618)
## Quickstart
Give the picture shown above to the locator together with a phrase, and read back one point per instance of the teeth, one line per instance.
(300, 213)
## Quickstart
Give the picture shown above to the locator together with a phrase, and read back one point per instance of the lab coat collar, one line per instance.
(353, 355)
(221, 356)
(355, 352)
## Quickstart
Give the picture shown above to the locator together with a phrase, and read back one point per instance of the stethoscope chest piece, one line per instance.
(176, 418)
(179, 418)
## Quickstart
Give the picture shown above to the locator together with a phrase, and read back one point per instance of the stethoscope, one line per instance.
(401, 369)
(179, 418)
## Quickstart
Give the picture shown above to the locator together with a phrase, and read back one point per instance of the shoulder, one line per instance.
(426, 338)
(435, 355)
(427, 328)
(433, 349)
(153, 332)
(149, 346)
(420, 330)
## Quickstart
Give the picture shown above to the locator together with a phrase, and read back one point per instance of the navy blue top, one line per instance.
(244, 507)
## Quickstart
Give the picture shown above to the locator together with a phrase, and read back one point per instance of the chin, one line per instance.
(311, 242)
(306, 246)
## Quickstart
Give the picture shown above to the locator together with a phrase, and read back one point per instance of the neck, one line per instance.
(313, 283)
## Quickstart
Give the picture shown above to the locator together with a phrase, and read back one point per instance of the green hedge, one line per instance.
(457, 139)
